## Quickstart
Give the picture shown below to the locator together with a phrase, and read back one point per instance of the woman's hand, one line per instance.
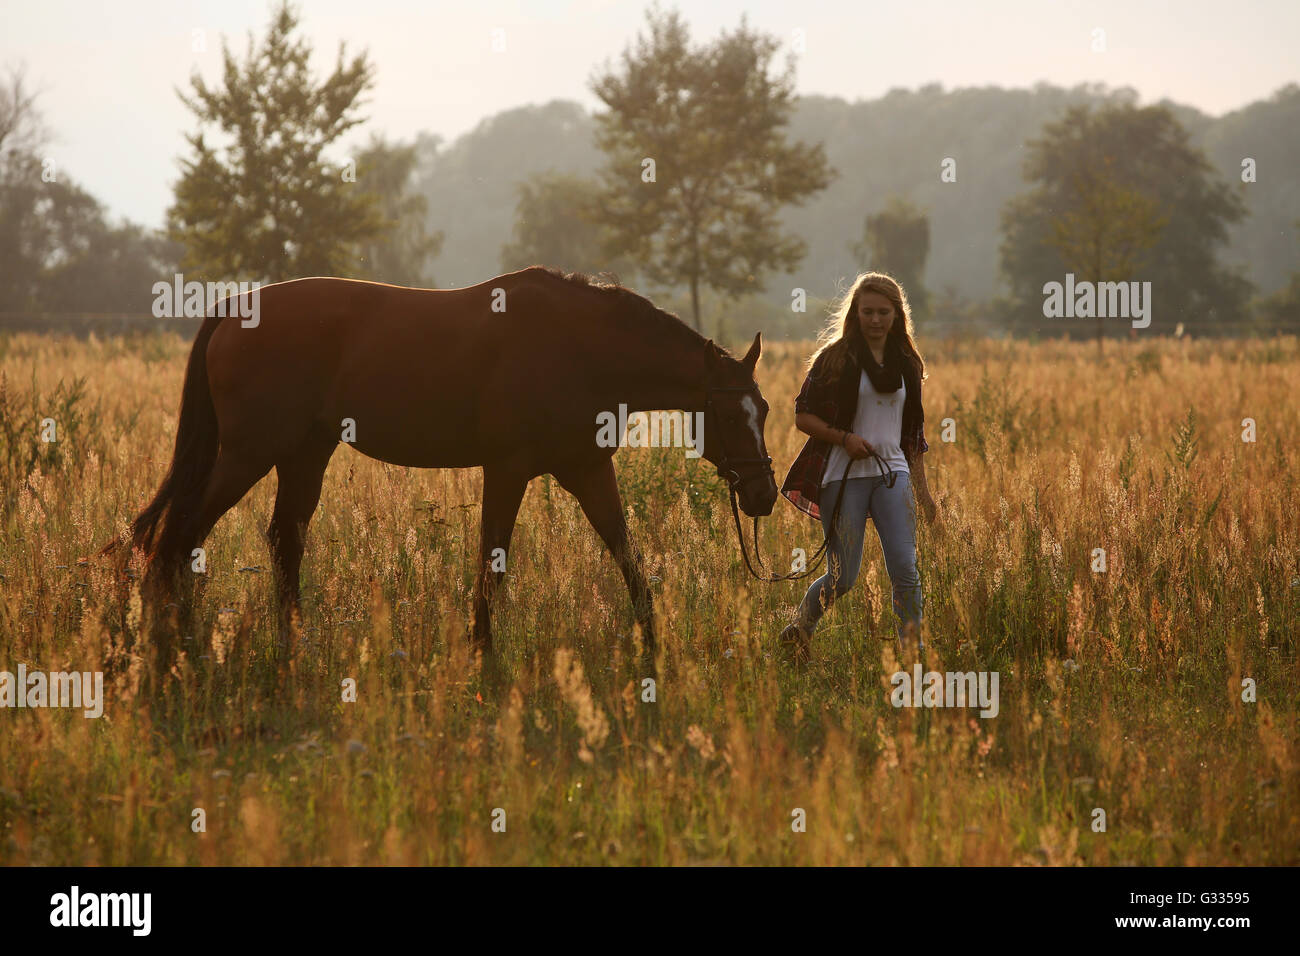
(856, 446)
(931, 509)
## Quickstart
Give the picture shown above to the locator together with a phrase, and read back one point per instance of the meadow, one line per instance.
(1121, 690)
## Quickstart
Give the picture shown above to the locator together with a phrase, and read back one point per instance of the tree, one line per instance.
(697, 159)
(25, 242)
(270, 205)
(472, 180)
(60, 253)
(401, 252)
(1106, 235)
(1280, 312)
(896, 240)
(1129, 152)
(21, 130)
(556, 225)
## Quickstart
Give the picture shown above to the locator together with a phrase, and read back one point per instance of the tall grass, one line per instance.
(1120, 690)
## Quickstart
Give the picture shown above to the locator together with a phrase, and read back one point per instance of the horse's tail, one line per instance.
(182, 487)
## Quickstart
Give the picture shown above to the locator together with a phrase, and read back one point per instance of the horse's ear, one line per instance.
(755, 350)
(712, 355)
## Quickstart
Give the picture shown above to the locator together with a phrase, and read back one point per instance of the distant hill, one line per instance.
(880, 147)
(471, 184)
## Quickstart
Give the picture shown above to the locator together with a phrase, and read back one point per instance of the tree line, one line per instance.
(697, 164)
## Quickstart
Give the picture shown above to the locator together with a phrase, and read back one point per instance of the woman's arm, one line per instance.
(810, 424)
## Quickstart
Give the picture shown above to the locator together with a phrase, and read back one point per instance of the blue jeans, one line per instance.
(894, 513)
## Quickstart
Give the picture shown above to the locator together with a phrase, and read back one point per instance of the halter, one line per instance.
(727, 470)
(728, 466)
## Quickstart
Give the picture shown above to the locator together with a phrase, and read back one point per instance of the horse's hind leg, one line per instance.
(296, 498)
(232, 477)
(596, 489)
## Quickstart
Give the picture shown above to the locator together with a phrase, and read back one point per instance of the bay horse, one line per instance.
(509, 375)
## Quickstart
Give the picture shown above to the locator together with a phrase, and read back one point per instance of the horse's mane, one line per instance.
(606, 283)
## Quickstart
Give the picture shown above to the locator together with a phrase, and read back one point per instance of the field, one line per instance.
(1120, 690)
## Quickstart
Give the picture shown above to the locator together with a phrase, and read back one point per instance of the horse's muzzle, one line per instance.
(757, 494)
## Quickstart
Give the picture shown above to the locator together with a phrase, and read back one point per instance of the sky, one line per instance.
(108, 73)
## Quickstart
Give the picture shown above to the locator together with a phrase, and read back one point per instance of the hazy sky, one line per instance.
(107, 71)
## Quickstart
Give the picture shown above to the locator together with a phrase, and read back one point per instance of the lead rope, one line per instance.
(820, 554)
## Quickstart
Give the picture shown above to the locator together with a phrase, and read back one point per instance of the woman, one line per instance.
(860, 405)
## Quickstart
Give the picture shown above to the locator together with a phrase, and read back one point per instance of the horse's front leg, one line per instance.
(596, 489)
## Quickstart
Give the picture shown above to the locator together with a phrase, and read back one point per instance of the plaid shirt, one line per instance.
(836, 402)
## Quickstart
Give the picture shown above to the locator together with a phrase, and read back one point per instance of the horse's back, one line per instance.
(408, 368)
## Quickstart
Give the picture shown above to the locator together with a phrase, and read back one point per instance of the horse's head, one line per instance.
(734, 415)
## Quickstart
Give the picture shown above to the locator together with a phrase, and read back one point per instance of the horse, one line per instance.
(510, 375)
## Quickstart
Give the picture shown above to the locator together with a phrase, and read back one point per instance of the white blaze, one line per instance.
(751, 408)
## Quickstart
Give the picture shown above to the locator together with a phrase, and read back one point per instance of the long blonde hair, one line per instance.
(841, 333)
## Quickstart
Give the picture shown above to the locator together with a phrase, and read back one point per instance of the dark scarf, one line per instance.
(886, 378)
(890, 376)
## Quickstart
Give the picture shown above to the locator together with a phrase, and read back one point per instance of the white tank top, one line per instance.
(879, 420)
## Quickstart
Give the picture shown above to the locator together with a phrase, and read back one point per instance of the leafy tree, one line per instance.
(1280, 312)
(270, 205)
(472, 180)
(556, 225)
(24, 243)
(698, 163)
(1267, 131)
(22, 131)
(1142, 162)
(401, 252)
(1106, 236)
(60, 253)
(897, 240)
